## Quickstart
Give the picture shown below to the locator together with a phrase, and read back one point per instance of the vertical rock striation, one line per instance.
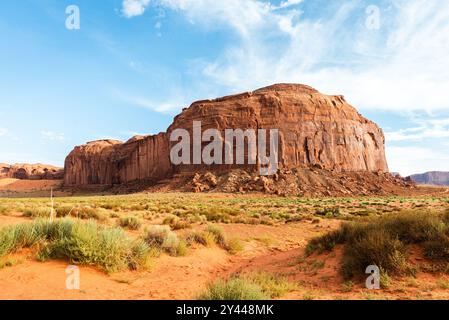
(316, 130)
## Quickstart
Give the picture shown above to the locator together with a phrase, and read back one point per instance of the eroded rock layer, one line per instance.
(316, 130)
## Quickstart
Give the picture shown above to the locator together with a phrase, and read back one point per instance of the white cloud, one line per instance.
(132, 8)
(426, 129)
(287, 3)
(134, 133)
(413, 70)
(3, 132)
(402, 66)
(53, 136)
(244, 16)
(164, 107)
(420, 148)
(413, 160)
(167, 107)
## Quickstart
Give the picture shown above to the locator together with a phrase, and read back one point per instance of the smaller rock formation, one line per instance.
(31, 172)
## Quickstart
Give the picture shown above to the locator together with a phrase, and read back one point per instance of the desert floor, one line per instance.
(270, 235)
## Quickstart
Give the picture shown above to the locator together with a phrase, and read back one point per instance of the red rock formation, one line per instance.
(31, 172)
(316, 130)
(108, 162)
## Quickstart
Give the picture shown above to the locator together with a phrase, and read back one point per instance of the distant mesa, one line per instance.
(31, 172)
(436, 178)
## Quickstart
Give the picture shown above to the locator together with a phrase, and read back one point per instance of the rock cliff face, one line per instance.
(109, 162)
(315, 130)
(31, 172)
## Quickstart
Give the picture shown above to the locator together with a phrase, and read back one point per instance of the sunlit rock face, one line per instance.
(315, 130)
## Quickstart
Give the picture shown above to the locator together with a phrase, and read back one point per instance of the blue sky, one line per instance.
(134, 64)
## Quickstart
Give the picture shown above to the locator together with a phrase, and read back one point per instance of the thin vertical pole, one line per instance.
(52, 207)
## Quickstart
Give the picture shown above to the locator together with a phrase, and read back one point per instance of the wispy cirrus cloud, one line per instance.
(163, 107)
(368, 68)
(421, 147)
(244, 16)
(425, 129)
(289, 3)
(53, 136)
(401, 66)
(167, 107)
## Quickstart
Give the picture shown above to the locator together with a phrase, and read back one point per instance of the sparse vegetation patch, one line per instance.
(255, 286)
(385, 242)
(163, 239)
(80, 242)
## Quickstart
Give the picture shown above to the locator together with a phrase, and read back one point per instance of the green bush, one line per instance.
(175, 223)
(156, 235)
(256, 286)
(234, 246)
(328, 212)
(203, 238)
(162, 238)
(376, 247)
(217, 214)
(4, 210)
(437, 248)
(131, 222)
(273, 285)
(62, 211)
(383, 241)
(218, 235)
(234, 289)
(174, 246)
(40, 212)
(84, 243)
(87, 212)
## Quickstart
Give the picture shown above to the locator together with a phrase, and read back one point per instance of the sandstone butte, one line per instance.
(31, 172)
(316, 131)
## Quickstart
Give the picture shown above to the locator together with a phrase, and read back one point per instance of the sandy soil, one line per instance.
(28, 188)
(12, 220)
(170, 278)
(278, 250)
